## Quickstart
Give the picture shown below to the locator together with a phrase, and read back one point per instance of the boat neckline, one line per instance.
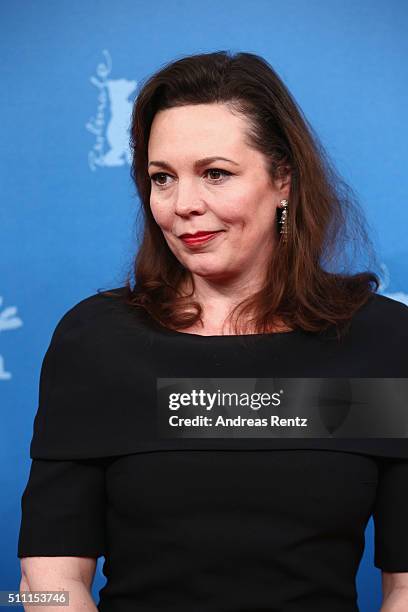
(175, 333)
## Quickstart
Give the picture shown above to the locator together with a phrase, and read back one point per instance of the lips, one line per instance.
(199, 238)
(200, 233)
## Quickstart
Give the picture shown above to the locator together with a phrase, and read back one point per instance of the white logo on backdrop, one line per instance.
(112, 122)
(8, 321)
(400, 296)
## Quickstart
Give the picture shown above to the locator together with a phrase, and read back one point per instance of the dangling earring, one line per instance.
(283, 220)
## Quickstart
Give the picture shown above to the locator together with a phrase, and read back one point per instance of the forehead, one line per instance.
(202, 128)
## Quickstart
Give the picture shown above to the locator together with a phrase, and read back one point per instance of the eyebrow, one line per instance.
(197, 164)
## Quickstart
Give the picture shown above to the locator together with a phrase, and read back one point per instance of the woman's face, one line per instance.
(235, 196)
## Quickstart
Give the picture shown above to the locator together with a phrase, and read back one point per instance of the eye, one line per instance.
(156, 176)
(218, 170)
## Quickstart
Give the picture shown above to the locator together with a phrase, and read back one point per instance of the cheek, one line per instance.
(244, 205)
(160, 212)
(258, 212)
(241, 216)
(251, 222)
(234, 211)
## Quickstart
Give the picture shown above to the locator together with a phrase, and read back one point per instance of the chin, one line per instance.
(215, 274)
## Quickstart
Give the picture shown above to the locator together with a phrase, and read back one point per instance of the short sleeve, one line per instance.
(390, 517)
(63, 509)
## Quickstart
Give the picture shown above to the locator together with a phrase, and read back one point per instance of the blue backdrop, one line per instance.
(70, 71)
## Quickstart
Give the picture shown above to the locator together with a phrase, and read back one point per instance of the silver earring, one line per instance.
(283, 220)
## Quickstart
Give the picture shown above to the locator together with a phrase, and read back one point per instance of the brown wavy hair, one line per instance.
(309, 282)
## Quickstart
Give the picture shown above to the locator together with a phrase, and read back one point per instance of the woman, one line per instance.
(243, 216)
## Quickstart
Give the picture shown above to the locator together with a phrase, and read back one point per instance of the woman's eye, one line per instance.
(218, 171)
(156, 176)
(160, 177)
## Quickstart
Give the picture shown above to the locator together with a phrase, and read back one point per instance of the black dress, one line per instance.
(200, 524)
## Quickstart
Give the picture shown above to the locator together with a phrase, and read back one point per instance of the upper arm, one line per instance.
(392, 581)
(390, 515)
(62, 529)
(395, 591)
(63, 506)
(390, 523)
(42, 573)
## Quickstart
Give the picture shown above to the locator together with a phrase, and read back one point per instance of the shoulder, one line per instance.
(89, 342)
(384, 305)
(383, 315)
(80, 381)
(91, 314)
(100, 332)
(378, 336)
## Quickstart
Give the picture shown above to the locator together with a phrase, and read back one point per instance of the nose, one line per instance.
(188, 198)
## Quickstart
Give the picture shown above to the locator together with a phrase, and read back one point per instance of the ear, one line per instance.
(283, 181)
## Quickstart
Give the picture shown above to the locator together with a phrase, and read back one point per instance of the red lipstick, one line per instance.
(198, 238)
